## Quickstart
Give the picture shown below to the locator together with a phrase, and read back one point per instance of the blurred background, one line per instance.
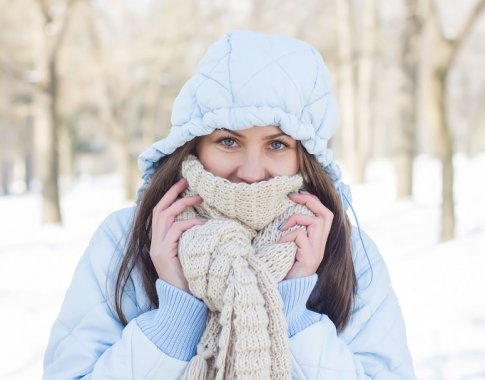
(86, 86)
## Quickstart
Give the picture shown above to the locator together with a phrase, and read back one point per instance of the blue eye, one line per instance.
(227, 142)
(277, 145)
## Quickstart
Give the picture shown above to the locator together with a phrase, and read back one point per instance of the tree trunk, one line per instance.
(28, 150)
(5, 176)
(66, 152)
(126, 160)
(446, 154)
(405, 144)
(364, 89)
(51, 209)
(47, 128)
(134, 179)
(8, 124)
(346, 82)
(4, 162)
(29, 170)
(448, 51)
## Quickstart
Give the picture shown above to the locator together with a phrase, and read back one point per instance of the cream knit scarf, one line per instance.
(233, 264)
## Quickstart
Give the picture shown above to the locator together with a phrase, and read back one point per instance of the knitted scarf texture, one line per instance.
(233, 264)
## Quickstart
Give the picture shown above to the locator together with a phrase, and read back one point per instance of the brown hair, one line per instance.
(334, 292)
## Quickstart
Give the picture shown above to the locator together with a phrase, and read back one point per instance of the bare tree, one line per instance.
(55, 20)
(365, 74)
(114, 67)
(6, 154)
(55, 17)
(405, 142)
(141, 64)
(15, 94)
(474, 108)
(346, 82)
(448, 50)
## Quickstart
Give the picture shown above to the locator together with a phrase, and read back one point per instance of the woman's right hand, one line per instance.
(166, 232)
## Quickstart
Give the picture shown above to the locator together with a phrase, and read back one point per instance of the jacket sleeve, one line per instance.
(88, 341)
(373, 345)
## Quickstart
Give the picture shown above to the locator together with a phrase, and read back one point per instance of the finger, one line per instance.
(171, 195)
(183, 225)
(313, 203)
(299, 237)
(163, 219)
(178, 228)
(180, 205)
(302, 220)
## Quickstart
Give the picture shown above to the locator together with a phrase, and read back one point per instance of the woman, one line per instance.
(239, 260)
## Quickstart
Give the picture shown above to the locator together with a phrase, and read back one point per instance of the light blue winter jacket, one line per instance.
(245, 79)
(89, 342)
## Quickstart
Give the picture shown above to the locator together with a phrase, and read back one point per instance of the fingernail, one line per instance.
(280, 225)
(292, 193)
(303, 191)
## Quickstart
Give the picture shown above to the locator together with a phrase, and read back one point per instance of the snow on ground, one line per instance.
(440, 286)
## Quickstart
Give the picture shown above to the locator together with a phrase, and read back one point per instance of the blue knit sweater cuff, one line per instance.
(177, 325)
(295, 293)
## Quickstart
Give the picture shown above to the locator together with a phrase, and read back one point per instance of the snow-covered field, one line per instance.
(440, 286)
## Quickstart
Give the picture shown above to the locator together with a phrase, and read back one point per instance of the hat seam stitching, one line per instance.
(314, 83)
(196, 90)
(273, 60)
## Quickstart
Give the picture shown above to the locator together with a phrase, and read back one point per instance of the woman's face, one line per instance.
(250, 155)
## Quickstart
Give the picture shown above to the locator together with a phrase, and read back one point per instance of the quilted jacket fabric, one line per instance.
(89, 342)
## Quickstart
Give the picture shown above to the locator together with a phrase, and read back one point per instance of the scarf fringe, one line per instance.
(196, 369)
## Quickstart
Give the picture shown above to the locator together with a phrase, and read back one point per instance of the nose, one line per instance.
(252, 170)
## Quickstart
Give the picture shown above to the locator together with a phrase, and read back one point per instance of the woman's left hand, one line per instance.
(310, 242)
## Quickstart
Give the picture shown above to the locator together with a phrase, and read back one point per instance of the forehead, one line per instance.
(254, 132)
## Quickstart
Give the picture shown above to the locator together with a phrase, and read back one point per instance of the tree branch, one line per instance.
(62, 32)
(435, 21)
(465, 30)
(44, 11)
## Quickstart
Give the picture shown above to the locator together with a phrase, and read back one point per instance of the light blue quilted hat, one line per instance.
(250, 79)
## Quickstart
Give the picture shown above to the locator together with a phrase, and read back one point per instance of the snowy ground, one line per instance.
(440, 286)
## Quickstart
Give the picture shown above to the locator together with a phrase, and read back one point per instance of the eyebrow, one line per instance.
(270, 137)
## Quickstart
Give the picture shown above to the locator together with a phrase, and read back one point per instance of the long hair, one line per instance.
(334, 292)
(137, 253)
